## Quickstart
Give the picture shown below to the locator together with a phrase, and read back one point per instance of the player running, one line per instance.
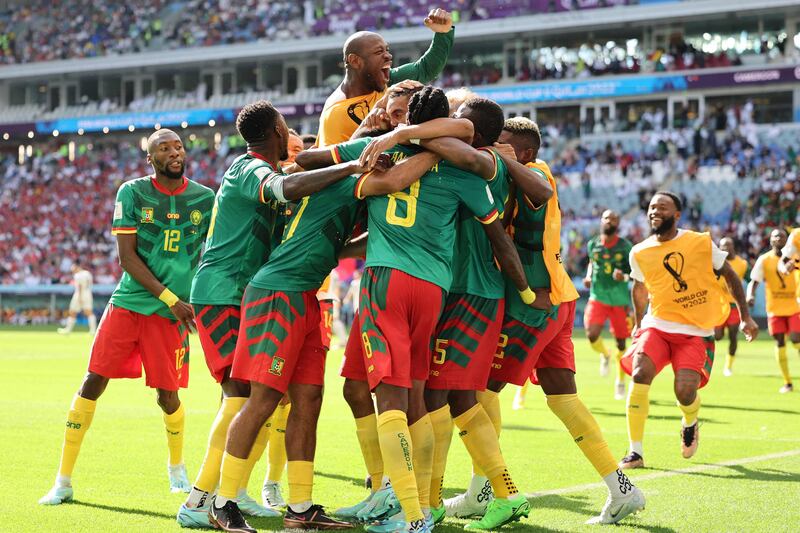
(539, 339)
(675, 272)
(82, 300)
(783, 309)
(741, 267)
(609, 297)
(160, 222)
(280, 346)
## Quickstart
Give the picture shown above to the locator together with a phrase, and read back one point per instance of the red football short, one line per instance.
(218, 329)
(618, 316)
(683, 351)
(733, 319)
(279, 339)
(126, 341)
(466, 342)
(353, 362)
(326, 325)
(524, 348)
(398, 315)
(783, 324)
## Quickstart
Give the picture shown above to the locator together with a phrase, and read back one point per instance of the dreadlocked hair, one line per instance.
(427, 104)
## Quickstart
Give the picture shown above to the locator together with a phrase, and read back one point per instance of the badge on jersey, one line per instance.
(147, 215)
(118, 211)
(196, 217)
(277, 366)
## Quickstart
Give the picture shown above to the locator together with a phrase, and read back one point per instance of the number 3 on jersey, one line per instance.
(410, 199)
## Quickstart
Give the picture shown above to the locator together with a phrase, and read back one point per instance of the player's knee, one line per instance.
(642, 372)
(307, 399)
(780, 340)
(685, 392)
(233, 388)
(356, 393)
(718, 334)
(461, 402)
(621, 345)
(93, 386)
(495, 386)
(168, 400)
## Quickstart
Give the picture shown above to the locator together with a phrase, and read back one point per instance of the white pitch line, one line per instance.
(669, 473)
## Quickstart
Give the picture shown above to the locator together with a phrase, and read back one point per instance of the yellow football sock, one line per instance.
(482, 443)
(277, 443)
(208, 477)
(637, 408)
(729, 361)
(174, 427)
(79, 419)
(367, 434)
(600, 347)
(442, 424)
(301, 481)
(620, 372)
(422, 438)
(233, 469)
(584, 430)
(398, 463)
(690, 411)
(490, 401)
(796, 346)
(259, 445)
(783, 363)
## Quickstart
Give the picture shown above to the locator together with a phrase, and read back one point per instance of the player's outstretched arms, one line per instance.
(131, 263)
(399, 177)
(510, 263)
(301, 184)
(463, 156)
(747, 324)
(639, 301)
(535, 188)
(459, 128)
(315, 158)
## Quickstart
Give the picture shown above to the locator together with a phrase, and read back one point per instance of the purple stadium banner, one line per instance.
(744, 78)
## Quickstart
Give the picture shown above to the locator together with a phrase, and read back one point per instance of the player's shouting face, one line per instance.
(372, 59)
(165, 152)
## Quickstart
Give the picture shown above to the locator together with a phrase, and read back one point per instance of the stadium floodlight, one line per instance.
(55, 133)
(212, 123)
(157, 126)
(30, 135)
(105, 130)
(184, 124)
(80, 131)
(131, 128)
(6, 136)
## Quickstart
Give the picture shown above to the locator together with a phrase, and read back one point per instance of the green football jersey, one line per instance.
(605, 258)
(350, 150)
(528, 226)
(246, 225)
(414, 230)
(170, 227)
(315, 234)
(474, 268)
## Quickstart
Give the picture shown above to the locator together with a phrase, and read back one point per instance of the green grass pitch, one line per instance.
(121, 484)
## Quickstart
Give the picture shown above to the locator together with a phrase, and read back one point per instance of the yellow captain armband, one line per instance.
(528, 296)
(169, 298)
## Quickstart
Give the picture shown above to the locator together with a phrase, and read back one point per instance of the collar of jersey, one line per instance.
(609, 243)
(259, 156)
(168, 192)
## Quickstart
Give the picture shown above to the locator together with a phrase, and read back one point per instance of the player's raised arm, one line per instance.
(428, 67)
(463, 156)
(747, 324)
(399, 177)
(301, 184)
(315, 158)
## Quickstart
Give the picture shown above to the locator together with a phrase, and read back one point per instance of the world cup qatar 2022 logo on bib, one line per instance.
(674, 262)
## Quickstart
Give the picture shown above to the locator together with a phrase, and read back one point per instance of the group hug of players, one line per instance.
(463, 292)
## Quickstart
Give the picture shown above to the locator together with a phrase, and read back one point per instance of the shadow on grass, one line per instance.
(741, 472)
(517, 427)
(124, 510)
(749, 409)
(581, 505)
(676, 416)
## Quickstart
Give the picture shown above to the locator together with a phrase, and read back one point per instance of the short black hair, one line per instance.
(427, 104)
(487, 118)
(675, 199)
(309, 138)
(525, 129)
(256, 120)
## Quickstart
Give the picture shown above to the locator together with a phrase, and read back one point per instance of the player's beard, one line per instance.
(172, 174)
(608, 231)
(666, 225)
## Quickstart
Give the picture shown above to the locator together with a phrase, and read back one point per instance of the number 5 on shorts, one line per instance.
(441, 351)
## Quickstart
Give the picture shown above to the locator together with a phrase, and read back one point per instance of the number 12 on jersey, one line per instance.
(171, 239)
